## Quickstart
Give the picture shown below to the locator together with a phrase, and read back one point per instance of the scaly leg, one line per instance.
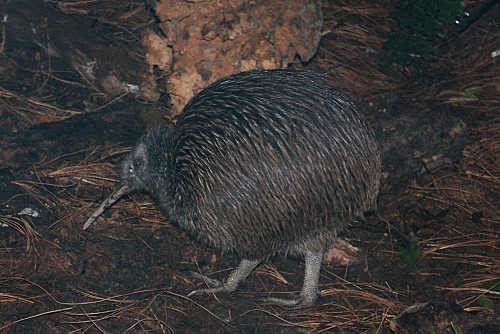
(310, 290)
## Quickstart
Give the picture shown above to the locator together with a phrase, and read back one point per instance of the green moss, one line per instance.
(411, 253)
(492, 286)
(486, 302)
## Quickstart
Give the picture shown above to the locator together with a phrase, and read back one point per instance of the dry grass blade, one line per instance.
(63, 188)
(19, 288)
(434, 246)
(8, 297)
(482, 158)
(285, 322)
(364, 307)
(131, 15)
(96, 174)
(31, 109)
(354, 33)
(23, 227)
(476, 190)
(76, 7)
(40, 192)
(473, 81)
(478, 290)
(35, 316)
(471, 196)
(142, 206)
(270, 270)
(447, 196)
(136, 306)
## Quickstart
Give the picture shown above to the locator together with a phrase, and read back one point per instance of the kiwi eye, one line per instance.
(131, 169)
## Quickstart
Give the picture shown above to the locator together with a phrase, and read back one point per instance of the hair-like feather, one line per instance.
(262, 162)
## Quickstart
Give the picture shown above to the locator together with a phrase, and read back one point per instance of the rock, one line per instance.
(209, 40)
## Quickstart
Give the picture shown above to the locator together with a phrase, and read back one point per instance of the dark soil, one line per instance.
(128, 273)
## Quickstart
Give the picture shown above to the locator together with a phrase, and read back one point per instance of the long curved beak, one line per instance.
(112, 199)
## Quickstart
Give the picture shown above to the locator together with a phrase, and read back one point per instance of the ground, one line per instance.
(433, 240)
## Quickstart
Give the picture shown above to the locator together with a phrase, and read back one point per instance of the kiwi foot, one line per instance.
(235, 278)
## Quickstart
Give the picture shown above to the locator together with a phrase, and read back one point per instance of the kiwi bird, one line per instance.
(261, 163)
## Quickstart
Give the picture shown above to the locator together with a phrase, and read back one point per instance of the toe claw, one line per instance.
(213, 285)
(293, 301)
(192, 293)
